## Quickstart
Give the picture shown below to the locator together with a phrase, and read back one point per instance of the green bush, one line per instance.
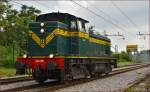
(6, 56)
(123, 57)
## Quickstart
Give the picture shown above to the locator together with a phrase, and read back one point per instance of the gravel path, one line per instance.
(115, 83)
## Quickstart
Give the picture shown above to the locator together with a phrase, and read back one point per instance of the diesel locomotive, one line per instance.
(60, 46)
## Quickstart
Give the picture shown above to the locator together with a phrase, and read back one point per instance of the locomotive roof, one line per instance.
(61, 15)
(100, 37)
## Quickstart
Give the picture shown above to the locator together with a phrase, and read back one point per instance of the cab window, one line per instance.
(73, 25)
(86, 27)
(81, 26)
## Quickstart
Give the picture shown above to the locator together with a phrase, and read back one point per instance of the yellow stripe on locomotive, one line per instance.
(57, 32)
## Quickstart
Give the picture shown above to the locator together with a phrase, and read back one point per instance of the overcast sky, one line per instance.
(136, 11)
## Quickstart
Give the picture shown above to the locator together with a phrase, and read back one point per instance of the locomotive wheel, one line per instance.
(39, 75)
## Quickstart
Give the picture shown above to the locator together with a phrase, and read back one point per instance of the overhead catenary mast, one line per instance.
(114, 35)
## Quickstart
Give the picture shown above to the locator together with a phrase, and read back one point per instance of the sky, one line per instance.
(126, 17)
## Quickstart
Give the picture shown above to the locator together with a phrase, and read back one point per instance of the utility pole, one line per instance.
(13, 48)
(149, 30)
(146, 34)
(13, 43)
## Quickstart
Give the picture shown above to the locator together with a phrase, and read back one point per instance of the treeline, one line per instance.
(13, 28)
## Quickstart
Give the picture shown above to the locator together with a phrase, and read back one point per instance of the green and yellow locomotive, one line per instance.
(61, 47)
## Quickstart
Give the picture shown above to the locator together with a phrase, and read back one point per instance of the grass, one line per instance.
(124, 63)
(6, 61)
(7, 72)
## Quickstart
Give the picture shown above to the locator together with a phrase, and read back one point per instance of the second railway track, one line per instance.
(14, 79)
(54, 85)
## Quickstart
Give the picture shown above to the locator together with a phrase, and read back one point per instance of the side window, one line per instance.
(73, 25)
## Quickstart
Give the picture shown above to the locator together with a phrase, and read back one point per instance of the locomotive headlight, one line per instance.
(42, 30)
(51, 55)
(25, 56)
(42, 24)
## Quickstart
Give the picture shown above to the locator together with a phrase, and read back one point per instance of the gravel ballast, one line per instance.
(116, 83)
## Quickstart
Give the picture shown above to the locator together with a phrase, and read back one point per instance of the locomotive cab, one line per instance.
(74, 23)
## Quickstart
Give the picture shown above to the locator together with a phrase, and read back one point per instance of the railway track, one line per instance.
(18, 78)
(54, 85)
(7, 80)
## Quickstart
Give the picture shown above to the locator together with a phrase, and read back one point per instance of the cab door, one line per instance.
(73, 38)
(83, 39)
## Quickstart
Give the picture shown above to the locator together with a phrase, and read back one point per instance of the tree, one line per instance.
(15, 23)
